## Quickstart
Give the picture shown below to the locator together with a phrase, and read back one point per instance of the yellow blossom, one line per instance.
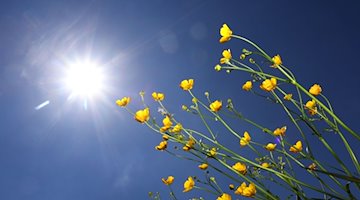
(168, 181)
(248, 191)
(165, 137)
(225, 33)
(288, 97)
(216, 106)
(231, 186)
(189, 184)
(315, 90)
(167, 124)
(240, 167)
(226, 56)
(123, 102)
(224, 196)
(187, 84)
(203, 166)
(183, 107)
(270, 147)
(245, 140)
(296, 148)
(269, 84)
(177, 128)
(189, 145)
(162, 146)
(217, 68)
(312, 166)
(142, 115)
(247, 86)
(311, 105)
(280, 131)
(158, 96)
(265, 165)
(276, 61)
(212, 152)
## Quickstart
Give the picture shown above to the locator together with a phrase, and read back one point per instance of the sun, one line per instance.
(84, 79)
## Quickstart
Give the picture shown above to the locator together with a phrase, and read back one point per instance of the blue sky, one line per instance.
(64, 151)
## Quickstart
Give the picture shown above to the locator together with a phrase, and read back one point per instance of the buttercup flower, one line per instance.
(165, 137)
(217, 68)
(265, 165)
(297, 147)
(189, 184)
(225, 33)
(288, 97)
(168, 181)
(241, 168)
(187, 84)
(142, 115)
(224, 196)
(315, 90)
(189, 145)
(312, 166)
(280, 131)
(269, 84)
(226, 56)
(276, 61)
(162, 146)
(177, 128)
(158, 96)
(231, 187)
(167, 124)
(247, 191)
(203, 166)
(270, 147)
(311, 105)
(247, 86)
(212, 152)
(245, 140)
(216, 106)
(123, 102)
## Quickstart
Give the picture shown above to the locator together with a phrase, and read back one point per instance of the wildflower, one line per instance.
(177, 128)
(189, 145)
(216, 106)
(203, 166)
(187, 84)
(189, 184)
(183, 107)
(162, 146)
(247, 86)
(245, 140)
(315, 90)
(194, 100)
(123, 102)
(224, 196)
(296, 148)
(270, 147)
(158, 96)
(142, 115)
(280, 131)
(311, 105)
(168, 181)
(231, 186)
(265, 165)
(212, 152)
(226, 56)
(241, 168)
(269, 84)
(217, 68)
(276, 61)
(165, 137)
(288, 97)
(225, 33)
(312, 166)
(248, 191)
(167, 124)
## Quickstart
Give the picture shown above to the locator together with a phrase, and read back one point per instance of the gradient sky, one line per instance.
(64, 151)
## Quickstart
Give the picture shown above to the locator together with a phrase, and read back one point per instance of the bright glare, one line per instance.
(84, 79)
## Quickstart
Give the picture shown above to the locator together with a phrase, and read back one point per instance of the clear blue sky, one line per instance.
(63, 151)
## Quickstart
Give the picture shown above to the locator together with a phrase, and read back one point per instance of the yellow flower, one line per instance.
(162, 146)
(158, 96)
(189, 184)
(280, 131)
(167, 124)
(123, 102)
(187, 84)
(288, 97)
(168, 181)
(297, 147)
(265, 165)
(224, 196)
(226, 56)
(241, 168)
(203, 166)
(269, 84)
(225, 33)
(212, 152)
(276, 61)
(142, 115)
(245, 140)
(315, 90)
(270, 147)
(311, 105)
(217, 68)
(165, 137)
(312, 166)
(189, 145)
(231, 186)
(177, 128)
(247, 86)
(216, 106)
(184, 107)
(248, 191)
